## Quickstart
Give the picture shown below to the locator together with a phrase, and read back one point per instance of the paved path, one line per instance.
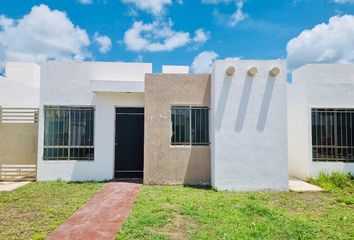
(102, 216)
(298, 185)
(10, 186)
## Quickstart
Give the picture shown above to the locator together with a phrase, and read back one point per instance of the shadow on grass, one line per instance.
(200, 187)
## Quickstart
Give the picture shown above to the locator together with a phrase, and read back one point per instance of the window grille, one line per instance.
(68, 133)
(333, 135)
(190, 125)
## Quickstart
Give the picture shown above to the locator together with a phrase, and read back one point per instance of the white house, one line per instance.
(248, 125)
(87, 93)
(321, 119)
(234, 128)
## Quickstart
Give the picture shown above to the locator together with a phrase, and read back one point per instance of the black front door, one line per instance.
(129, 143)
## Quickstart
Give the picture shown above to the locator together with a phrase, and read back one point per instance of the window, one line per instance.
(333, 135)
(190, 125)
(68, 133)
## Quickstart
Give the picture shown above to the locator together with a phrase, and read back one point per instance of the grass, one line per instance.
(177, 212)
(33, 211)
(333, 180)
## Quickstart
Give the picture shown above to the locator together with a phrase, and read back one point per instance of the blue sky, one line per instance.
(175, 32)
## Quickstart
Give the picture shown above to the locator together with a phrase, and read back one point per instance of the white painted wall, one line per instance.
(249, 127)
(20, 86)
(315, 86)
(68, 83)
(175, 69)
(26, 73)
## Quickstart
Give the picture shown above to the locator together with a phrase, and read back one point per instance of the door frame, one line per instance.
(115, 130)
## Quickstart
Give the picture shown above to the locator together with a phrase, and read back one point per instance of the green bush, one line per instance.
(332, 180)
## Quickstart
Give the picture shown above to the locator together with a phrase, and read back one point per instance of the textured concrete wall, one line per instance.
(18, 143)
(163, 163)
(249, 127)
(315, 86)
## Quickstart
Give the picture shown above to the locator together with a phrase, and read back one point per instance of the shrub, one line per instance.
(332, 180)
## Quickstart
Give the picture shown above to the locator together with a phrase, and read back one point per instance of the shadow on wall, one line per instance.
(267, 96)
(198, 169)
(207, 95)
(243, 105)
(242, 109)
(220, 109)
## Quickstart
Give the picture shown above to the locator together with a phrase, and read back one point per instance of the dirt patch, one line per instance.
(178, 228)
(301, 202)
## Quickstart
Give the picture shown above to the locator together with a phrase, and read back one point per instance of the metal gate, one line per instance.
(18, 143)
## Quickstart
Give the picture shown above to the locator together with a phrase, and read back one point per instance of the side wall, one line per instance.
(249, 127)
(20, 87)
(26, 73)
(163, 163)
(327, 86)
(298, 128)
(18, 143)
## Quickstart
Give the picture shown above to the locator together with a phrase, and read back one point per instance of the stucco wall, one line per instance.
(249, 127)
(26, 73)
(20, 86)
(18, 143)
(68, 83)
(315, 86)
(163, 163)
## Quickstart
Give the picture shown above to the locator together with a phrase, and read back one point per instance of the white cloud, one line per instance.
(155, 7)
(159, 36)
(330, 42)
(203, 62)
(216, 1)
(235, 18)
(104, 42)
(154, 37)
(85, 1)
(201, 36)
(139, 58)
(41, 35)
(5, 22)
(343, 1)
(239, 15)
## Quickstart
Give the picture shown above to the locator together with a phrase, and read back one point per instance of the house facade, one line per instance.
(321, 119)
(233, 128)
(248, 125)
(77, 117)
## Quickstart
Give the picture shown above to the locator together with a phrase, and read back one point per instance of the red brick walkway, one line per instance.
(102, 216)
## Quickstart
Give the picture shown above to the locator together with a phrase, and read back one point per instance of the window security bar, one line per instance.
(190, 125)
(332, 135)
(68, 133)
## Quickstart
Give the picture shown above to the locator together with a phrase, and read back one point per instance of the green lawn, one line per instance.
(33, 211)
(196, 213)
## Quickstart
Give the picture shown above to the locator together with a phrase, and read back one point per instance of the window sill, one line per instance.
(189, 146)
(56, 160)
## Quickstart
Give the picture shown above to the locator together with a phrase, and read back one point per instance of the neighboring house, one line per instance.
(229, 128)
(321, 119)
(19, 102)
